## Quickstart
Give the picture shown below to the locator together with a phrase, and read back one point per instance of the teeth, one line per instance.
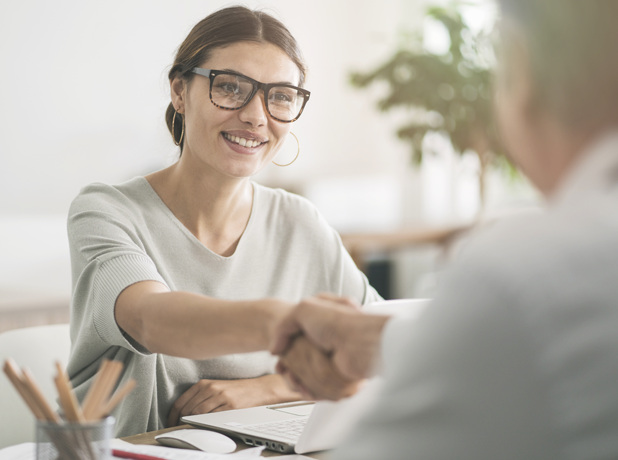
(242, 141)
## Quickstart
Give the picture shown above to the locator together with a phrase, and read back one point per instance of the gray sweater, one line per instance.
(120, 235)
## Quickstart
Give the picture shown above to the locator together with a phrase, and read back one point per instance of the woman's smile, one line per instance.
(244, 142)
(234, 143)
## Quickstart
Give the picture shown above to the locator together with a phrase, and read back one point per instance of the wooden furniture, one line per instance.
(19, 309)
(149, 439)
(359, 245)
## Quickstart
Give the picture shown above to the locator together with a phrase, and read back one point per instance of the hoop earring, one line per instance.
(297, 153)
(182, 133)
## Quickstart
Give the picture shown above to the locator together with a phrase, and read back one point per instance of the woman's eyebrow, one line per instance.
(273, 83)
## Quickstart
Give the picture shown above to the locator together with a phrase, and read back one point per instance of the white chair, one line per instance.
(36, 348)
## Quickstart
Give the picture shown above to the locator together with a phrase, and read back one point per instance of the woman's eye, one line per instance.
(282, 98)
(228, 87)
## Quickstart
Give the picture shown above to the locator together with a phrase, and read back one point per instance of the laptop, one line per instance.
(305, 426)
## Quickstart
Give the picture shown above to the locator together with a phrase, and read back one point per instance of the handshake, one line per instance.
(327, 346)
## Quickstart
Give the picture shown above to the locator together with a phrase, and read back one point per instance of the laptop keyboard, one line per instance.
(290, 429)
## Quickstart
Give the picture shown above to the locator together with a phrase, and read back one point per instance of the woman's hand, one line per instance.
(220, 395)
(311, 372)
(335, 325)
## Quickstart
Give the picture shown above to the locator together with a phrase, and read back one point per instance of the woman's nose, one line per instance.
(254, 112)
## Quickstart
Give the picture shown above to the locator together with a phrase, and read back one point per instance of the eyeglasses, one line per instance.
(233, 91)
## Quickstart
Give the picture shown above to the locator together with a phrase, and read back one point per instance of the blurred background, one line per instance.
(84, 90)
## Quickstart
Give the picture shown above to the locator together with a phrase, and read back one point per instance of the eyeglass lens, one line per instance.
(232, 91)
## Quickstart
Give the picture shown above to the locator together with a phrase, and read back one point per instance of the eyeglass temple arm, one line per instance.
(204, 72)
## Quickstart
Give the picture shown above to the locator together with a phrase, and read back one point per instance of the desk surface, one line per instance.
(149, 439)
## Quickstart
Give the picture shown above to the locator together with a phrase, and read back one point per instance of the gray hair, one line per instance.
(572, 46)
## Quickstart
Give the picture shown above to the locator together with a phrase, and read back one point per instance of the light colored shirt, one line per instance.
(517, 358)
(120, 235)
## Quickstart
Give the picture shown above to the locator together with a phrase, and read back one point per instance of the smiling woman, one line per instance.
(229, 109)
(185, 273)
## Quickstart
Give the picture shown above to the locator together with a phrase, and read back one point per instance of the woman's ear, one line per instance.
(178, 88)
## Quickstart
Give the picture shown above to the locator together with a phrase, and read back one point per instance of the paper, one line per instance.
(250, 452)
(294, 457)
(27, 451)
(120, 444)
(171, 453)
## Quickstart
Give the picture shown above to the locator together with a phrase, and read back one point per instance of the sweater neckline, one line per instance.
(168, 212)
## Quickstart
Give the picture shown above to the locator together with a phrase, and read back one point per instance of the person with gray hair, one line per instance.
(517, 357)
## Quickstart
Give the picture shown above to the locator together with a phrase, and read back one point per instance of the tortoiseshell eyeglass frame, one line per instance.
(208, 73)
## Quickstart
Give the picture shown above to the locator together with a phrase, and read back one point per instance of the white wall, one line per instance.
(83, 90)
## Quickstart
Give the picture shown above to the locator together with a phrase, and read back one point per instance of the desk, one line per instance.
(360, 244)
(26, 309)
(149, 439)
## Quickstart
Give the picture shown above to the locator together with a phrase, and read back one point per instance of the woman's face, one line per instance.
(208, 129)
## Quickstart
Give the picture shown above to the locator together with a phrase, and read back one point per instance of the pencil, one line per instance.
(40, 400)
(68, 401)
(108, 382)
(94, 388)
(73, 445)
(16, 378)
(134, 456)
(115, 399)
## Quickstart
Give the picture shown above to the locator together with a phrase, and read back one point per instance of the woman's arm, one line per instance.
(195, 326)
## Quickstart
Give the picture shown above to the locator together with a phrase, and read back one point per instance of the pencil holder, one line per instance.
(74, 441)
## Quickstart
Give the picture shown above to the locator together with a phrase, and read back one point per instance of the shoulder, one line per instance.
(287, 206)
(548, 282)
(277, 197)
(100, 206)
(526, 246)
(295, 219)
(512, 262)
(543, 266)
(511, 243)
(110, 198)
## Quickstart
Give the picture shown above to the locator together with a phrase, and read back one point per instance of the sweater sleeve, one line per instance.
(107, 256)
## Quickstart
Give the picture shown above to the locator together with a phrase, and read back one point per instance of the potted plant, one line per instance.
(451, 92)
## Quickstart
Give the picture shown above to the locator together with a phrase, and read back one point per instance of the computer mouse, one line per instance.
(207, 441)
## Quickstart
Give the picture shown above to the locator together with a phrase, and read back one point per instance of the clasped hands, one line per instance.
(327, 347)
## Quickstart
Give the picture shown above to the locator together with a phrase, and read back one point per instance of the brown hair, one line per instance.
(222, 28)
(572, 47)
